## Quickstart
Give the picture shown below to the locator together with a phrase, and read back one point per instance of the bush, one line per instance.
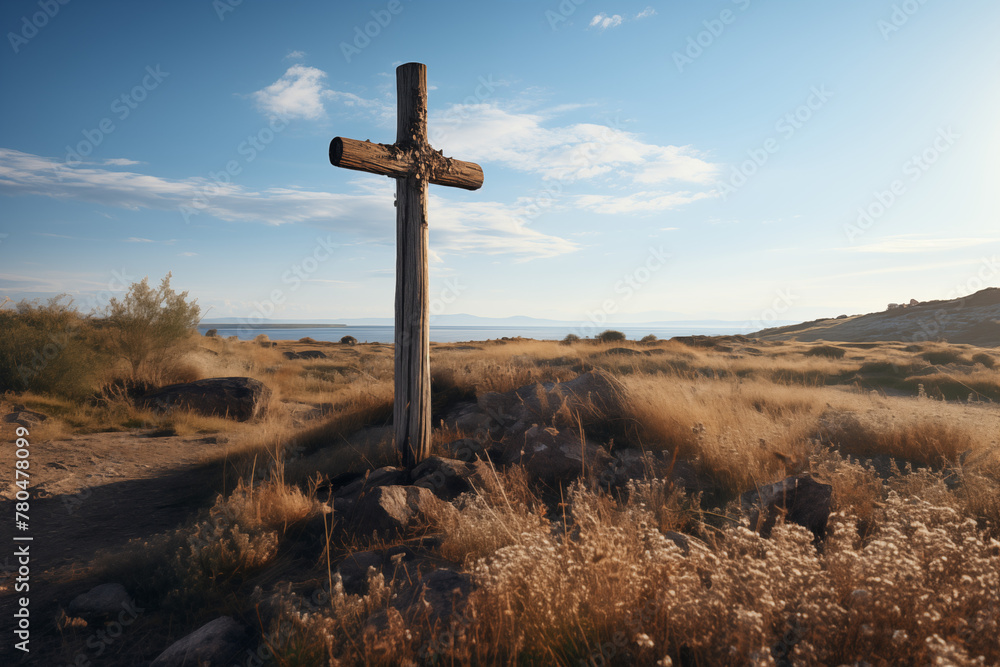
(212, 333)
(48, 348)
(944, 357)
(828, 351)
(984, 359)
(611, 336)
(648, 338)
(147, 326)
(262, 340)
(348, 340)
(570, 339)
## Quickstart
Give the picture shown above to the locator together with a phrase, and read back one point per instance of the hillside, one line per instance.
(972, 320)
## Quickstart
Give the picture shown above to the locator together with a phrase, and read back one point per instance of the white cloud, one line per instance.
(646, 13)
(295, 55)
(120, 162)
(490, 228)
(187, 254)
(522, 141)
(135, 239)
(299, 93)
(639, 202)
(603, 21)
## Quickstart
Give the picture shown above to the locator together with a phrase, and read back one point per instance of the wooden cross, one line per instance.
(414, 164)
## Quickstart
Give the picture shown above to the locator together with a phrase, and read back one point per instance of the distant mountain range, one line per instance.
(974, 320)
(464, 320)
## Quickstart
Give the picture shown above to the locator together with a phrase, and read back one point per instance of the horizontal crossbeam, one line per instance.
(395, 162)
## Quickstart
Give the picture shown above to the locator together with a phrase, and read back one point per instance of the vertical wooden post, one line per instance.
(414, 164)
(412, 405)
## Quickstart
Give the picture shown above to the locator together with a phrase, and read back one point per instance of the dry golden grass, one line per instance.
(909, 574)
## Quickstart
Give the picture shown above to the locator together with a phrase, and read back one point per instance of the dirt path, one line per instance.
(91, 493)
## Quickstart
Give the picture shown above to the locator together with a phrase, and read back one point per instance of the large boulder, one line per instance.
(395, 511)
(802, 499)
(22, 416)
(215, 643)
(238, 398)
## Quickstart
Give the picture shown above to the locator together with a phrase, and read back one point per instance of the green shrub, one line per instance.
(48, 348)
(147, 326)
(611, 336)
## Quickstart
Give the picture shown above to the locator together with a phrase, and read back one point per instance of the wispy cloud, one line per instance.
(639, 202)
(187, 254)
(911, 244)
(532, 143)
(491, 228)
(646, 13)
(295, 55)
(120, 162)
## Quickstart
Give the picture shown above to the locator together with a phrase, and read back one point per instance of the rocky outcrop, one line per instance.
(801, 499)
(238, 398)
(397, 511)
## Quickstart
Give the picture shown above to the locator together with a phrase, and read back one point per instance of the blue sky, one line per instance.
(743, 160)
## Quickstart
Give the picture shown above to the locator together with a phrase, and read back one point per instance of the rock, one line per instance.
(103, 600)
(354, 570)
(215, 643)
(238, 398)
(467, 449)
(592, 396)
(446, 478)
(385, 476)
(805, 501)
(393, 511)
(22, 416)
(553, 456)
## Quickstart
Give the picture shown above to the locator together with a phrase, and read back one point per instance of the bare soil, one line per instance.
(92, 493)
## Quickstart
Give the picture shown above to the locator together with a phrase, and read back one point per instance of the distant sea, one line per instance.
(384, 334)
